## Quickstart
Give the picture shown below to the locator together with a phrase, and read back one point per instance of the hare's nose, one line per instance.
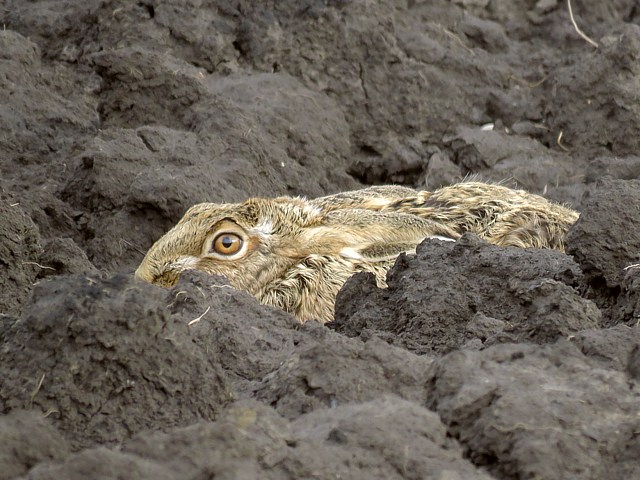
(144, 273)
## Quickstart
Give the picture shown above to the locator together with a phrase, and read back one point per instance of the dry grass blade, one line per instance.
(36, 390)
(38, 265)
(559, 141)
(195, 320)
(575, 25)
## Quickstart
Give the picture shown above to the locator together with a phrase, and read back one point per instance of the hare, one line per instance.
(296, 254)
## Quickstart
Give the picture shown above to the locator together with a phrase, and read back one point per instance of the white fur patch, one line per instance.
(184, 263)
(439, 237)
(312, 210)
(351, 253)
(264, 229)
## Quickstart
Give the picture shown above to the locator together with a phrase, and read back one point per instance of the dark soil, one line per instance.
(476, 362)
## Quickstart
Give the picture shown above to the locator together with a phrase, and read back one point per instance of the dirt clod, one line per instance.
(476, 362)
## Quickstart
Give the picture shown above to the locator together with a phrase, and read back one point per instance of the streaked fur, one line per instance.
(302, 251)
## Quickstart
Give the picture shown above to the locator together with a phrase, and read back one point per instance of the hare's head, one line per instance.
(239, 241)
(261, 240)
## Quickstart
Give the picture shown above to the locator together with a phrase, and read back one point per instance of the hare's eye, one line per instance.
(227, 244)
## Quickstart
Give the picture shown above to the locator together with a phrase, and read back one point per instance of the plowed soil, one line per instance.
(476, 362)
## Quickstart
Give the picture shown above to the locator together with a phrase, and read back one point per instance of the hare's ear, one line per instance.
(373, 198)
(365, 234)
(381, 252)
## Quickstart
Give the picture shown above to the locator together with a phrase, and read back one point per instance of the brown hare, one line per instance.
(295, 253)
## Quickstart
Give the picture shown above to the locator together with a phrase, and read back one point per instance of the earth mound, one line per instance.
(476, 362)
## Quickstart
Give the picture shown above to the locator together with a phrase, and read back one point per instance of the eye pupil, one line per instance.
(227, 244)
(227, 241)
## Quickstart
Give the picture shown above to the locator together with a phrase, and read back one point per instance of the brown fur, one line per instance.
(298, 253)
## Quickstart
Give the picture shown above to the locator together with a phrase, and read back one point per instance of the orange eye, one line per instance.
(227, 244)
